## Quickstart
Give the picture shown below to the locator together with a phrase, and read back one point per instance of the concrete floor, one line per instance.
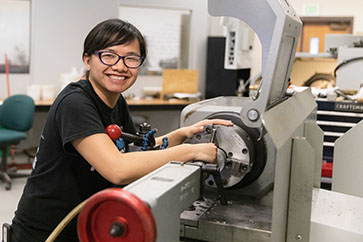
(9, 198)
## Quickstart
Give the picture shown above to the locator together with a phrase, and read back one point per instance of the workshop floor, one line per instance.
(9, 199)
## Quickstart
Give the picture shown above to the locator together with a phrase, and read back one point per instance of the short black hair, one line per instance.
(112, 32)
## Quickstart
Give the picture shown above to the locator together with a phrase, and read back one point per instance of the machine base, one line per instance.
(241, 220)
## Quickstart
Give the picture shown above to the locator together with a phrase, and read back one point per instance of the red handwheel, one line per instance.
(116, 215)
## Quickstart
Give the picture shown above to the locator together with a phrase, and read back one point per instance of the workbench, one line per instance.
(161, 114)
(134, 104)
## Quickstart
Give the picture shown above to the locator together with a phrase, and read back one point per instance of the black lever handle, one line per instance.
(213, 170)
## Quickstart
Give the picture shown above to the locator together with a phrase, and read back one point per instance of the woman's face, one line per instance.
(112, 80)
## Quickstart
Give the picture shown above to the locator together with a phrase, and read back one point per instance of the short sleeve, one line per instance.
(77, 117)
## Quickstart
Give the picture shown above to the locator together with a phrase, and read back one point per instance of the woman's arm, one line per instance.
(178, 136)
(123, 168)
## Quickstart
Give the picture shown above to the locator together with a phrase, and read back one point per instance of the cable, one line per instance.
(65, 222)
(346, 62)
(319, 77)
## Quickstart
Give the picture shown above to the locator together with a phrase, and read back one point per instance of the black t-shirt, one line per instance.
(62, 178)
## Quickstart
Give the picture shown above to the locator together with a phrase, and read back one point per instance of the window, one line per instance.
(15, 35)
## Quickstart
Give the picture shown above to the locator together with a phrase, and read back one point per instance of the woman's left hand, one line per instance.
(178, 136)
(198, 127)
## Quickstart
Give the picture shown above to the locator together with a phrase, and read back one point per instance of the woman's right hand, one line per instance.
(204, 152)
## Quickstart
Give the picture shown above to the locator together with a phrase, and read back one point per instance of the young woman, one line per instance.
(76, 158)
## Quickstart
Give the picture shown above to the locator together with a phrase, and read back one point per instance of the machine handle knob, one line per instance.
(115, 133)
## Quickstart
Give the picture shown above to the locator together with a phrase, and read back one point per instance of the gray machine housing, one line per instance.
(276, 206)
(284, 202)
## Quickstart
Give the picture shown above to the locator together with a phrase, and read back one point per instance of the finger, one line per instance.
(198, 129)
(219, 122)
(223, 122)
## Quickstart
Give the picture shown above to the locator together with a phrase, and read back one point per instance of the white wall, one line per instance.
(197, 39)
(335, 8)
(58, 30)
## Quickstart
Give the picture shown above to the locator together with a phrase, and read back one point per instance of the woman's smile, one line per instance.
(118, 78)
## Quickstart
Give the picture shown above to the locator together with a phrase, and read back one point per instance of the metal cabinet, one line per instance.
(335, 118)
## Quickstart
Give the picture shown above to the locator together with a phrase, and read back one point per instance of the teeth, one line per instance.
(118, 77)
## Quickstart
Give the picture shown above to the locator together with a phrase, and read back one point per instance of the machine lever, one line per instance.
(218, 181)
(114, 132)
(213, 170)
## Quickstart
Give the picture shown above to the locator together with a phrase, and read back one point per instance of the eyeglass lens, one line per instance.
(131, 61)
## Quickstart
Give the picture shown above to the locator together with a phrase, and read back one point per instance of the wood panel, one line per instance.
(179, 80)
(318, 27)
(319, 31)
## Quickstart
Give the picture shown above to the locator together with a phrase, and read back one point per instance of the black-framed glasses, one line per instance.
(110, 58)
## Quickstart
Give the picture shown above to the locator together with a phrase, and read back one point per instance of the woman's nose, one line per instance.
(120, 66)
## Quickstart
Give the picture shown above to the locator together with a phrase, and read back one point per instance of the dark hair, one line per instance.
(112, 32)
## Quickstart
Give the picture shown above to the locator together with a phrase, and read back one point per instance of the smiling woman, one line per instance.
(15, 35)
(102, 54)
(109, 80)
(76, 158)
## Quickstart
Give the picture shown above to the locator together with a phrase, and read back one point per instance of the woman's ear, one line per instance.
(86, 60)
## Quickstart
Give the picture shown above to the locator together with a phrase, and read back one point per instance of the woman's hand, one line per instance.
(191, 130)
(206, 152)
(178, 136)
